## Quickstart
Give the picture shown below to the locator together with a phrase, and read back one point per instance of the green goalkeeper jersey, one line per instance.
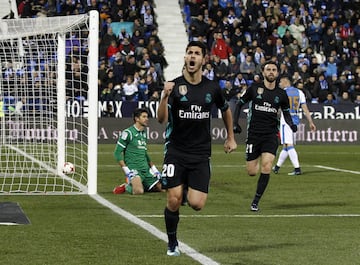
(131, 147)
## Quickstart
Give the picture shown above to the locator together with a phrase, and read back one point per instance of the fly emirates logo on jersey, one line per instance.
(195, 113)
(266, 107)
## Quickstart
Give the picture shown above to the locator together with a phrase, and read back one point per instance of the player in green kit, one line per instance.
(131, 154)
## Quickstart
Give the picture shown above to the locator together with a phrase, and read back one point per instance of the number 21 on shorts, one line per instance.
(249, 148)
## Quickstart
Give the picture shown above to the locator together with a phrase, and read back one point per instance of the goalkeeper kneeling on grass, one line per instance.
(131, 154)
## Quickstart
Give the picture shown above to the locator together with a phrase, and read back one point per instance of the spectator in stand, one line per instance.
(244, 22)
(311, 86)
(139, 49)
(334, 84)
(354, 50)
(305, 18)
(357, 99)
(221, 48)
(330, 99)
(322, 88)
(242, 55)
(354, 64)
(126, 48)
(220, 68)
(154, 90)
(258, 70)
(209, 71)
(300, 85)
(281, 54)
(284, 70)
(119, 16)
(231, 94)
(275, 11)
(198, 27)
(149, 20)
(346, 32)
(315, 32)
(345, 98)
(331, 67)
(145, 63)
(232, 69)
(106, 41)
(247, 68)
(292, 47)
(130, 89)
(118, 69)
(123, 34)
(287, 38)
(239, 82)
(135, 38)
(145, 6)
(152, 71)
(102, 73)
(143, 88)
(268, 48)
(329, 41)
(111, 52)
(237, 36)
(296, 28)
(107, 93)
(343, 85)
(139, 25)
(344, 51)
(130, 66)
(216, 12)
(357, 31)
(237, 48)
(277, 47)
(132, 10)
(258, 55)
(194, 8)
(282, 28)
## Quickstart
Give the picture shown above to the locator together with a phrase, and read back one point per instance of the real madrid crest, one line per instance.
(260, 90)
(183, 90)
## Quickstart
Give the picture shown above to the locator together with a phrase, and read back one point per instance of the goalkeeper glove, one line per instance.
(155, 172)
(293, 128)
(129, 173)
(237, 128)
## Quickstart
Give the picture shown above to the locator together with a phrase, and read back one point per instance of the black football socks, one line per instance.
(261, 186)
(171, 222)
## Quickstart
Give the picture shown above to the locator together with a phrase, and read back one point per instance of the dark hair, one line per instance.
(138, 111)
(199, 44)
(269, 62)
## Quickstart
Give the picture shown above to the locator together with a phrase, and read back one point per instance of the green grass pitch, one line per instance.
(309, 219)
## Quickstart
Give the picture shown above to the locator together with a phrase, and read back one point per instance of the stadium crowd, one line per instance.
(315, 42)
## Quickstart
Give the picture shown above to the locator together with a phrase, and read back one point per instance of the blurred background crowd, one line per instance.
(315, 42)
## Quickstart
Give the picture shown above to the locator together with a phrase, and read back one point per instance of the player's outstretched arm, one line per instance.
(308, 117)
(230, 143)
(162, 112)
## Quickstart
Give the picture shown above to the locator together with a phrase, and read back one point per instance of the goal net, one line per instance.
(48, 104)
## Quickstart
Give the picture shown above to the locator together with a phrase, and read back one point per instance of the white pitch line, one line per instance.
(338, 169)
(202, 259)
(255, 215)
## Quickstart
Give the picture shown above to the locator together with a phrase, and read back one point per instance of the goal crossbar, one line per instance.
(49, 68)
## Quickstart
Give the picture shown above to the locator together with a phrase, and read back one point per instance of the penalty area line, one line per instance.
(338, 169)
(184, 248)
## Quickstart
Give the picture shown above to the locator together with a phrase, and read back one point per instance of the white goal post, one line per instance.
(49, 104)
